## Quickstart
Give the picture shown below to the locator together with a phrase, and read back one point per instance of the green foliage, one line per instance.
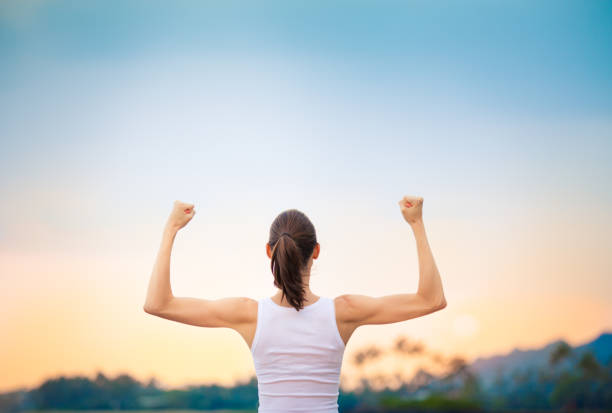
(125, 393)
(589, 385)
(435, 402)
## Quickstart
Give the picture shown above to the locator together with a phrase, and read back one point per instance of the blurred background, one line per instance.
(499, 114)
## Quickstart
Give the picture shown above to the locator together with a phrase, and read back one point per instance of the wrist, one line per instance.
(170, 230)
(416, 223)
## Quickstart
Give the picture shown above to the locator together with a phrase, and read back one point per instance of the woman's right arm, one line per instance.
(357, 309)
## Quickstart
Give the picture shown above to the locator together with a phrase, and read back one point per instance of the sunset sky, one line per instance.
(499, 114)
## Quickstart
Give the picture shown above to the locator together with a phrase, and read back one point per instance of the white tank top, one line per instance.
(297, 357)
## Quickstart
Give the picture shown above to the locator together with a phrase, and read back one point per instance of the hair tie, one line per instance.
(286, 233)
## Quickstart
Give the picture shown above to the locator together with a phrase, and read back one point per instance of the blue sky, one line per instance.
(397, 67)
(497, 113)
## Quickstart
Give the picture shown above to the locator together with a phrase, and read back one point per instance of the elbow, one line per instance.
(439, 305)
(149, 309)
(154, 307)
(433, 304)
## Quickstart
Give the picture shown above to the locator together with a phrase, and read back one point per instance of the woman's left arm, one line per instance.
(224, 312)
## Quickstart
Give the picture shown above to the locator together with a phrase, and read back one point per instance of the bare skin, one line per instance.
(352, 310)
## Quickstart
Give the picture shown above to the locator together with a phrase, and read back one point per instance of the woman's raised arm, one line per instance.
(232, 312)
(357, 309)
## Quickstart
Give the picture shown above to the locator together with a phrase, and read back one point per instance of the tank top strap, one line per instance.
(262, 312)
(331, 310)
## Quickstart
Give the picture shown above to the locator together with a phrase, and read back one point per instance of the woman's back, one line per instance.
(298, 357)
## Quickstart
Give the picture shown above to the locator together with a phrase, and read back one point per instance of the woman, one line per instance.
(297, 338)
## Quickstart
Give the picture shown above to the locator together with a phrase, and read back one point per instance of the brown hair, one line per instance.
(292, 240)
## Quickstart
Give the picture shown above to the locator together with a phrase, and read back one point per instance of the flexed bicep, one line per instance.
(362, 309)
(223, 312)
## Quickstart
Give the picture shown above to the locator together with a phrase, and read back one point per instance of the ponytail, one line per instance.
(286, 267)
(291, 251)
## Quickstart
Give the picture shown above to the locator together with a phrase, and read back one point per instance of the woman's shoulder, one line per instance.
(250, 308)
(343, 305)
(352, 308)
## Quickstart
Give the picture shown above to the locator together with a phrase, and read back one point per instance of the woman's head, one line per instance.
(291, 245)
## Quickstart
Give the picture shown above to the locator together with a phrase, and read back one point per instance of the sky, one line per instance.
(499, 114)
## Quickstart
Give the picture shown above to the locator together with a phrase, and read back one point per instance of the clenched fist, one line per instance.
(181, 214)
(412, 208)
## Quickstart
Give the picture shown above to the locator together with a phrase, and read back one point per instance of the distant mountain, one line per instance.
(488, 368)
(601, 348)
